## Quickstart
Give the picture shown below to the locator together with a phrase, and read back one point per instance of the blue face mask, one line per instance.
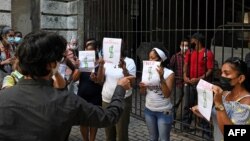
(11, 40)
(18, 40)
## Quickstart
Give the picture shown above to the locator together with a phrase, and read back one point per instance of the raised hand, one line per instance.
(160, 70)
(122, 64)
(125, 82)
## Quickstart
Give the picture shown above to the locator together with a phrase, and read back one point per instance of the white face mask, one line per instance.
(74, 47)
(54, 70)
(184, 49)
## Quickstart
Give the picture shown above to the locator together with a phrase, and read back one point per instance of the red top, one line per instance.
(197, 67)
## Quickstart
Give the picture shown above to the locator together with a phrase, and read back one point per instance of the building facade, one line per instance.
(60, 16)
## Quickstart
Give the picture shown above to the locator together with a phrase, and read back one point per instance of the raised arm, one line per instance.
(96, 116)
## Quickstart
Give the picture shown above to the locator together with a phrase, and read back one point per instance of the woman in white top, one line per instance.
(158, 108)
(111, 74)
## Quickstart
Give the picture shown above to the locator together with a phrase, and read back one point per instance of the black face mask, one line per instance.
(225, 84)
(192, 46)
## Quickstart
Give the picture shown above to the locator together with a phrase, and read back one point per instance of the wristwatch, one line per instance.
(219, 107)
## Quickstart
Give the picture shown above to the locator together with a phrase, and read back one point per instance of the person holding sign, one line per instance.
(34, 110)
(111, 73)
(158, 107)
(68, 69)
(90, 90)
(231, 97)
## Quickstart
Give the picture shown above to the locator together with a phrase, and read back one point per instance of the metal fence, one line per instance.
(224, 23)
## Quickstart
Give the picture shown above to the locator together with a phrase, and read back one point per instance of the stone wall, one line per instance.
(20, 15)
(5, 12)
(59, 16)
(62, 16)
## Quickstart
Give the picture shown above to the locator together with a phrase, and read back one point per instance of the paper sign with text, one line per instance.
(205, 98)
(150, 76)
(112, 50)
(87, 61)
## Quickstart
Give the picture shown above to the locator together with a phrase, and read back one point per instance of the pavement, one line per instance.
(137, 132)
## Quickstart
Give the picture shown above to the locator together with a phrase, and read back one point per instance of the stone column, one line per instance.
(60, 16)
(80, 25)
(35, 15)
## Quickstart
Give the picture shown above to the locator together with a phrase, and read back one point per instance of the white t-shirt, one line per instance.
(155, 100)
(112, 74)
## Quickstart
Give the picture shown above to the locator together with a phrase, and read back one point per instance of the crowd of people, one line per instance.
(43, 92)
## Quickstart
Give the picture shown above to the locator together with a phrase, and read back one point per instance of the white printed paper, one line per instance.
(87, 61)
(112, 50)
(150, 76)
(205, 98)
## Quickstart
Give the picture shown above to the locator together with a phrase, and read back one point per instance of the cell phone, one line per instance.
(100, 54)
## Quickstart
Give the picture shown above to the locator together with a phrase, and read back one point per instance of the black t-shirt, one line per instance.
(89, 90)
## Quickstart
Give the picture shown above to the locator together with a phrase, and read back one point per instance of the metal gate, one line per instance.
(224, 23)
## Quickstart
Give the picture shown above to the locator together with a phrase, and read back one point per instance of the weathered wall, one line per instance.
(62, 16)
(21, 13)
(5, 12)
(59, 16)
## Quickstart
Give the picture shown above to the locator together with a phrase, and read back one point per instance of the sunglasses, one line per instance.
(237, 61)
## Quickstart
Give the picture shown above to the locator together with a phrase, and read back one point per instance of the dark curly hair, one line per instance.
(38, 50)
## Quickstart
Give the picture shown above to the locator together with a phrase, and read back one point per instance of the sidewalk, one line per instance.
(137, 132)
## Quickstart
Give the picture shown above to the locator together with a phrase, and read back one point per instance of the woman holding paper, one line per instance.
(158, 107)
(68, 68)
(231, 97)
(89, 89)
(112, 74)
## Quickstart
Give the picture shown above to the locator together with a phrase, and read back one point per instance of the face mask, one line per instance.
(182, 48)
(11, 40)
(55, 69)
(193, 46)
(18, 40)
(225, 83)
(74, 47)
(185, 48)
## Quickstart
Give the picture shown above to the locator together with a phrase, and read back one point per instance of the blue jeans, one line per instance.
(159, 124)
